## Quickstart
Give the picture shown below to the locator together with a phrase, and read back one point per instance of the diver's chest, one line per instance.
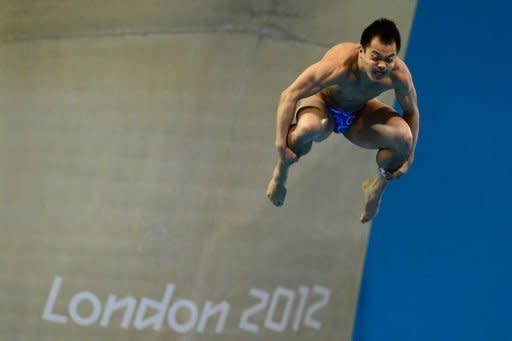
(356, 92)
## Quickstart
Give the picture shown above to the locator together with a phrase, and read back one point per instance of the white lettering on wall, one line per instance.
(160, 307)
(96, 308)
(48, 313)
(209, 310)
(112, 305)
(281, 310)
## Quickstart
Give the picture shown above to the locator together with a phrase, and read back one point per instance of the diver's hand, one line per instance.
(286, 154)
(399, 172)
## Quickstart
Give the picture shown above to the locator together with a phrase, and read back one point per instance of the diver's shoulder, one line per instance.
(343, 55)
(401, 74)
(401, 69)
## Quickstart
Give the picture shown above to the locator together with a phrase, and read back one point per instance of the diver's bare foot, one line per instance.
(276, 192)
(373, 189)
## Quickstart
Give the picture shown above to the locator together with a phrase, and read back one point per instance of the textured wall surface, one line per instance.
(136, 145)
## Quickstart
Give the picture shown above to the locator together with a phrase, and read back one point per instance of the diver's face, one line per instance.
(378, 59)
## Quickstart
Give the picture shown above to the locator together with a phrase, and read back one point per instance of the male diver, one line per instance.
(338, 94)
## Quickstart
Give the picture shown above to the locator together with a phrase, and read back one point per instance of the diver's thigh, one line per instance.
(313, 117)
(375, 126)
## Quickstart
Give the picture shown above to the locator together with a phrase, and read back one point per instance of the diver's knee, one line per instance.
(326, 130)
(402, 139)
(310, 127)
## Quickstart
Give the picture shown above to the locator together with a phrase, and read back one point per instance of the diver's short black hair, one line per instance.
(383, 28)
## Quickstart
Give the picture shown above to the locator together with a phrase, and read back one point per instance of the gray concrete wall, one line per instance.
(136, 145)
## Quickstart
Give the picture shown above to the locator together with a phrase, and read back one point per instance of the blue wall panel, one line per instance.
(439, 259)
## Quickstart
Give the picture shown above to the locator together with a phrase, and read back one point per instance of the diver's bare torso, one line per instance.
(348, 93)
